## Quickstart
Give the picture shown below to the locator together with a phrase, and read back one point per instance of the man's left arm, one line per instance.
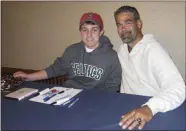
(171, 96)
(169, 80)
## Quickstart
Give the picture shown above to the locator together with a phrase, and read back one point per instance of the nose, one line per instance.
(89, 33)
(123, 27)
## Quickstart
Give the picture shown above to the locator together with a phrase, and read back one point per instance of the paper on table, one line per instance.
(39, 98)
(68, 92)
(44, 91)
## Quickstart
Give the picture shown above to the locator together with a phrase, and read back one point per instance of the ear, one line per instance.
(139, 24)
(102, 32)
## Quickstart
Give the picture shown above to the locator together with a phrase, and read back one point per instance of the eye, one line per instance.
(128, 22)
(119, 25)
(84, 30)
(95, 30)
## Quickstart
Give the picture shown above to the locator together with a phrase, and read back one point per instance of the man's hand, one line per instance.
(136, 118)
(21, 74)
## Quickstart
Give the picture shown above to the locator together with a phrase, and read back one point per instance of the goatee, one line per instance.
(126, 39)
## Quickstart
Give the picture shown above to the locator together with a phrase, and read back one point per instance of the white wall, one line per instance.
(35, 33)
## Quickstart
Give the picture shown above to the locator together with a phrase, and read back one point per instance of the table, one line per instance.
(96, 110)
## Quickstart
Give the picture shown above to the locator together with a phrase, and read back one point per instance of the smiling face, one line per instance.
(128, 28)
(90, 34)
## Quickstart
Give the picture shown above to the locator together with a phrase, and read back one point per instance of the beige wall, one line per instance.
(35, 33)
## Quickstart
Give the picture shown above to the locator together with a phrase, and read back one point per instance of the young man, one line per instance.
(91, 63)
(147, 70)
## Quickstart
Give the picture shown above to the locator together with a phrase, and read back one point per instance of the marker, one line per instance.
(49, 92)
(73, 103)
(42, 92)
(48, 97)
(52, 95)
(61, 100)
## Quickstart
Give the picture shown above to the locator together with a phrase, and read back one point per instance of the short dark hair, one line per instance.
(89, 23)
(127, 8)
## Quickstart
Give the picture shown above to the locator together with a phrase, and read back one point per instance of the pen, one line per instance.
(61, 100)
(61, 92)
(73, 103)
(66, 102)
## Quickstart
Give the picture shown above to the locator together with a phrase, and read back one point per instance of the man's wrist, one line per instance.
(152, 108)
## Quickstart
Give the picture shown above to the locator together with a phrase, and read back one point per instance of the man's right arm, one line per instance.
(32, 76)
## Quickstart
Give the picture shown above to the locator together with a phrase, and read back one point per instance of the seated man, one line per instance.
(147, 70)
(91, 63)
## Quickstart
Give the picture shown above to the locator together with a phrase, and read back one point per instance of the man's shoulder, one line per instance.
(155, 47)
(155, 50)
(75, 46)
(151, 44)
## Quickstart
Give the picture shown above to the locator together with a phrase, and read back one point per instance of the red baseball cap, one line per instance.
(94, 17)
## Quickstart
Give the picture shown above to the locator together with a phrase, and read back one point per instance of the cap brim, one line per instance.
(90, 21)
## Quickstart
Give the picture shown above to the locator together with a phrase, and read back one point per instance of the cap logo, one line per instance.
(89, 16)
